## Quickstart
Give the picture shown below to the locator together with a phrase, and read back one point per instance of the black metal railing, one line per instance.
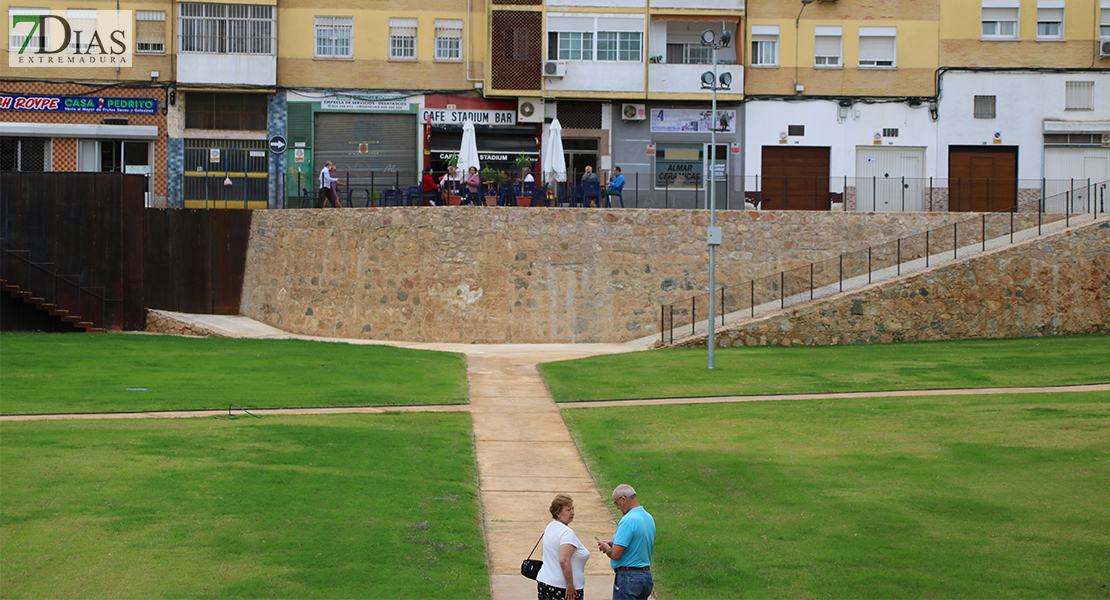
(40, 280)
(791, 192)
(790, 287)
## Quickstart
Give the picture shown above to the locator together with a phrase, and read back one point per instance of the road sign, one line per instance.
(277, 144)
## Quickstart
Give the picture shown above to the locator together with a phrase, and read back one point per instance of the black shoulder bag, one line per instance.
(530, 568)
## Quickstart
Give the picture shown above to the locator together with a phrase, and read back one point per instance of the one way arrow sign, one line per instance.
(277, 144)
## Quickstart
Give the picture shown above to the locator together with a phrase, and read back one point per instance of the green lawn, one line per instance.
(1001, 496)
(1058, 360)
(337, 506)
(53, 373)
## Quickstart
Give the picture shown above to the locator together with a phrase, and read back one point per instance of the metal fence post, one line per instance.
(869, 264)
(753, 298)
(782, 289)
(899, 262)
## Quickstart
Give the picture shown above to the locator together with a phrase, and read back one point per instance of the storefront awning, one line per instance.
(503, 140)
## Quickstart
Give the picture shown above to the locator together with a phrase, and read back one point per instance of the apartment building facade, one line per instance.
(906, 105)
(896, 105)
(624, 79)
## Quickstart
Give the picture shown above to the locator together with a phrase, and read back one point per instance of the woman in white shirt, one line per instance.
(559, 541)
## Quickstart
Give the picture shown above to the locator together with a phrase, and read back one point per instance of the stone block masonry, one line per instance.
(520, 275)
(1055, 285)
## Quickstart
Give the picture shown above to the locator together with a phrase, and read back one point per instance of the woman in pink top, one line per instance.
(472, 183)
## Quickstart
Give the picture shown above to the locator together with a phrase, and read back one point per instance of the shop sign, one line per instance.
(385, 102)
(42, 38)
(441, 116)
(673, 120)
(80, 104)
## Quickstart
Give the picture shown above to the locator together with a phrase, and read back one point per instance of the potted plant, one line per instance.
(495, 178)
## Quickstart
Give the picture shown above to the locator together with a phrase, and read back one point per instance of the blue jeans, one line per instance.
(632, 585)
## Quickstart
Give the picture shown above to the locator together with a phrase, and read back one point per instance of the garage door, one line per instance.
(795, 178)
(1074, 175)
(890, 179)
(363, 143)
(982, 179)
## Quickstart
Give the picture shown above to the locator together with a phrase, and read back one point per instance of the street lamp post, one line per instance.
(709, 80)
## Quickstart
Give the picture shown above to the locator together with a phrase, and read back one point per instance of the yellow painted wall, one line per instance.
(916, 60)
(370, 65)
(961, 33)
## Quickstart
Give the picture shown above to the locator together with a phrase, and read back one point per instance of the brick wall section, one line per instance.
(1055, 285)
(500, 275)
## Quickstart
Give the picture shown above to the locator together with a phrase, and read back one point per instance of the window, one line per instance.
(402, 39)
(449, 39)
(1104, 23)
(575, 45)
(25, 154)
(227, 28)
(765, 45)
(15, 42)
(238, 112)
(1000, 23)
(984, 107)
(1079, 95)
(890, 132)
(150, 31)
(679, 166)
(333, 37)
(877, 46)
(82, 23)
(689, 54)
(1050, 23)
(795, 130)
(827, 47)
(618, 45)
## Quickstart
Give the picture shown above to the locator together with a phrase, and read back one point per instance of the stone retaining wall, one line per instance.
(1058, 284)
(527, 275)
(161, 322)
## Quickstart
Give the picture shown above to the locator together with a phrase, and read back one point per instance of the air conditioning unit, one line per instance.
(1104, 48)
(554, 68)
(529, 110)
(633, 112)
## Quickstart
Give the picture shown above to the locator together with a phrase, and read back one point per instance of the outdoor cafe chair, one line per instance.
(591, 190)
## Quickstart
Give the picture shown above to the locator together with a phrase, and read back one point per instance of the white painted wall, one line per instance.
(701, 4)
(1024, 102)
(766, 120)
(687, 79)
(595, 76)
(247, 69)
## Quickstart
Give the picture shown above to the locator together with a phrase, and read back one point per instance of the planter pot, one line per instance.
(491, 200)
(524, 201)
(454, 200)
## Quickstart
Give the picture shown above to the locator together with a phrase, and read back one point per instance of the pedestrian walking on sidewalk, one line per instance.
(630, 549)
(560, 541)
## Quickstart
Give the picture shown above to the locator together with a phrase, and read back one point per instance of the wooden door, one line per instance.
(982, 179)
(795, 178)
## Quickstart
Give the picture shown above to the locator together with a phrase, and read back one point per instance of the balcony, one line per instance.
(249, 69)
(589, 76)
(226, 43)
(686, 80)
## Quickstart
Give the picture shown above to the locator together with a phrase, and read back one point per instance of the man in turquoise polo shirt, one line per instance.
(630, 549)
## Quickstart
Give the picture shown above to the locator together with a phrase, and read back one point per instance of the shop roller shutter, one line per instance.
(359, 144)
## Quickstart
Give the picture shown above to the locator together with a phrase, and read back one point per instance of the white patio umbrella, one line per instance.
(554, 165)
(468, 152)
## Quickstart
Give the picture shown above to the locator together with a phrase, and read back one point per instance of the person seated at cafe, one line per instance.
(589, 176)
(528, 176)
(430, 186)
(616, 184)
(449, 182)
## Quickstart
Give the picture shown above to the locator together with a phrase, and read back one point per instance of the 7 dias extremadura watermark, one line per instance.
(59, 38)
